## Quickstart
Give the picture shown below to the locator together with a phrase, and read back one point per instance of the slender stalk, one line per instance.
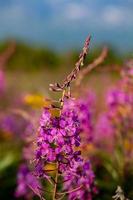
(91, 66)
(70, 191)
(62, 98)
(56, 182)
(61, 197)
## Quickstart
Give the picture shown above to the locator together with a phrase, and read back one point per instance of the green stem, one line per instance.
(55, 186)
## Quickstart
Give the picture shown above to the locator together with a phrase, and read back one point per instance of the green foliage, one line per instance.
(26, 57)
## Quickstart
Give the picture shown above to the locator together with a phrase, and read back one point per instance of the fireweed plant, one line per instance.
(120, 109)
(113, 138)
(85, 108)
(57, 143)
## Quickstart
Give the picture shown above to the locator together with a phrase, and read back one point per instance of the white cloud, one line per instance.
(75, 11)
(117, 16)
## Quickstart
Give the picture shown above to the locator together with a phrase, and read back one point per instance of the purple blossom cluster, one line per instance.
(122, 95)
(85, 107)
(120, 107)
(86, 113)
(27, 183)
(104, 134)
(57, 139)
(80, 180)
(116, 123)
(8, 124)
(119, 97)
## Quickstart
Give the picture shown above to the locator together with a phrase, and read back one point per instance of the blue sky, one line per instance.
(64, 24)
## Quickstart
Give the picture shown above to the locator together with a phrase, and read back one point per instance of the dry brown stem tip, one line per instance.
(67, 81)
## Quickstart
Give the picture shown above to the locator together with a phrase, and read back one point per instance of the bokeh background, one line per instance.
(40, 41)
